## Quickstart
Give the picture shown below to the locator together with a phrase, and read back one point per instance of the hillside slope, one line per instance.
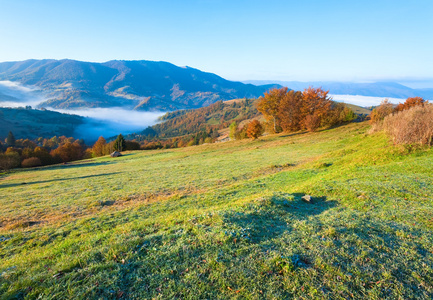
(225, 221)
(32, 123)
(144, 85)
(216, 116)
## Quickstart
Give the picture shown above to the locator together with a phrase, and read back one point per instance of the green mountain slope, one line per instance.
(144, 85)
(225, 221)
(32, 123)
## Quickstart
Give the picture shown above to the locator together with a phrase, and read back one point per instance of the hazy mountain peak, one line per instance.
(140, 84)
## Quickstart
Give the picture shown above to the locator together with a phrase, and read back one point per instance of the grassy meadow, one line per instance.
(225, 220)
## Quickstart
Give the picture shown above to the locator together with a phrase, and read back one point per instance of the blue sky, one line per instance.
(237, 39)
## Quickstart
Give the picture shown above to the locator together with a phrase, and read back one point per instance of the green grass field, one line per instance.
(225, 221)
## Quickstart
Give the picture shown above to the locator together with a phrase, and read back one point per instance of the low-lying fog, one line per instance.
(14, 94)
(105, 122)
(108, 122)
(364, 101)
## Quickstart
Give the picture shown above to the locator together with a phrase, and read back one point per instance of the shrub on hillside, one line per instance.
(379, 113)
(254, 129)
(132, 145)
(241, 133)
(411, 126)
(31, 162)
(339, 114)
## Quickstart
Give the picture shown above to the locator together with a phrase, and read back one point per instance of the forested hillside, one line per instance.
(205, 122)
(28, 123)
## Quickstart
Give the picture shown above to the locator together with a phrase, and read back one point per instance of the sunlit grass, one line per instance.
(225, 221)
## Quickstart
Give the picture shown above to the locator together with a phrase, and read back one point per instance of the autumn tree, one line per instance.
(68, 152)
(316, 105)
(254, 129)
(28, 144)
(289, 112)
(98, 148)
(119, 143)
(410, 102)
(269, 106)
(27, 153)
(43, 155)
(9, 160)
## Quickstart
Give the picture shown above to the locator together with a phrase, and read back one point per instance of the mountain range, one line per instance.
(151, 86)
(140, 85)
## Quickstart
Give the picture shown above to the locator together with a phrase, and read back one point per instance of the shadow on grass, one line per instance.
(272, 216)
(55, 180)
(129, 154)
(76, 164)
(160, 264)
(293, 134)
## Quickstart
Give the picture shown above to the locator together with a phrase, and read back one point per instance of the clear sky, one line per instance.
(303, 40)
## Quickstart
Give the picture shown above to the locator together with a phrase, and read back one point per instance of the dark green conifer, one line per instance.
(119, 143)
(10, 140)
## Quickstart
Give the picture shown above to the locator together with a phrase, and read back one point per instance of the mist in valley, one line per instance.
(106, 122)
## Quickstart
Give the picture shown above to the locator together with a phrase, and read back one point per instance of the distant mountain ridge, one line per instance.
(375, 89)
(144, 85)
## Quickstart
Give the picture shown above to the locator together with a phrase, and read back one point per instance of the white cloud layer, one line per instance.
(364, 100)
(108, 122)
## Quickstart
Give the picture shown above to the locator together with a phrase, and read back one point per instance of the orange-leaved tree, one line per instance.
(269, 106)
(410, 102)
(254, 129)
(98, 148)
(289, 112)
(68, 152)
(316, 106)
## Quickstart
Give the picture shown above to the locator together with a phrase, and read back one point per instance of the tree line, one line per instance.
(41, 152)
